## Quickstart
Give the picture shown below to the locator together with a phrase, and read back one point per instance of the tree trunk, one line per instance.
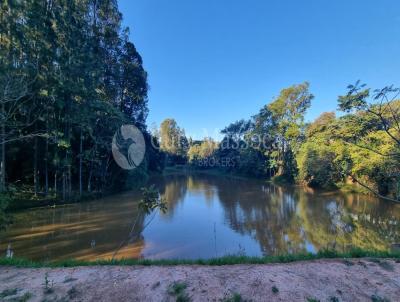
(89, 186)
(35, 166)
(80, 164)
(46, 158)
(69, 181)
(3, 168)
(55, 185)
(3, 154)
(63, 185)
(46, 169)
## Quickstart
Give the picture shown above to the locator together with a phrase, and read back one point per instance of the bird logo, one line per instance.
(128, 147)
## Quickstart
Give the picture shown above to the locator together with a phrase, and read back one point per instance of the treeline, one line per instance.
(69, 78)
(361, 146)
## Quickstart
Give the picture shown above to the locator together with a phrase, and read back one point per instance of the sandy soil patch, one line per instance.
(323, 280)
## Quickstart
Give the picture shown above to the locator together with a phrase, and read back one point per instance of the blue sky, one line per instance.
(211, 62)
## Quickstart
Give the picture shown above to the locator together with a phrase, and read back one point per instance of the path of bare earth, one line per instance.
(347, 280)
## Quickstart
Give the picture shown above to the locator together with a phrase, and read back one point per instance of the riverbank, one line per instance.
(279, 181)
(24, 199)
(362, 279)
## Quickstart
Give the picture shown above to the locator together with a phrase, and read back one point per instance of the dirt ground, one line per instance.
(323, 280)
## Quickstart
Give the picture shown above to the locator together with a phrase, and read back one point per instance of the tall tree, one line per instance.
(287, 117)
(173, 141)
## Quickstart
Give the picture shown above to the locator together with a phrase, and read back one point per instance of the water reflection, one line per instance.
(207, 216)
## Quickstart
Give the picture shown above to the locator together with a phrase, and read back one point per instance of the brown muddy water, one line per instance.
(207, 216)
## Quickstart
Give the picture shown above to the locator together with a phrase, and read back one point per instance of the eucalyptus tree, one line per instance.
(76, 78)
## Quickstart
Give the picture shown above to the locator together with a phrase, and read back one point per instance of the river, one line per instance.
(208, 216)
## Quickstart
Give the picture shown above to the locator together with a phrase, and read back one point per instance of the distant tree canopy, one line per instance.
(69, 77)
(200, 152)
(173, 142)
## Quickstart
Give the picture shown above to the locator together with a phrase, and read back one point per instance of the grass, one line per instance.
(226, 260)
(275, 290)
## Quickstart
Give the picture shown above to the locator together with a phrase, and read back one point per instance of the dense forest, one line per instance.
(361, 146)
(69, 77)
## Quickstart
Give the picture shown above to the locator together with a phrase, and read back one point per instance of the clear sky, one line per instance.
(211, 62)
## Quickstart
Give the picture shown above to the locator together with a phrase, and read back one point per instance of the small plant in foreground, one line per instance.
(333, 299)
(150, 203)
(275, 290)
(48, 284)
(312, 300)
(177, 289)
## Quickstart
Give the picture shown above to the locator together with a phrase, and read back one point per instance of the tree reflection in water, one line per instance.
(260, 217)
(293, 219)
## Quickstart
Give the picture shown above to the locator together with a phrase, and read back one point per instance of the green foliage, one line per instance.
(173, 142)
(178, 289)
(151, 200)
(200, 153)
(362, 146)
(355, 98)
(317, 165)
(287, 114)
(288, 111)
(71, 78)
(266, 145)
